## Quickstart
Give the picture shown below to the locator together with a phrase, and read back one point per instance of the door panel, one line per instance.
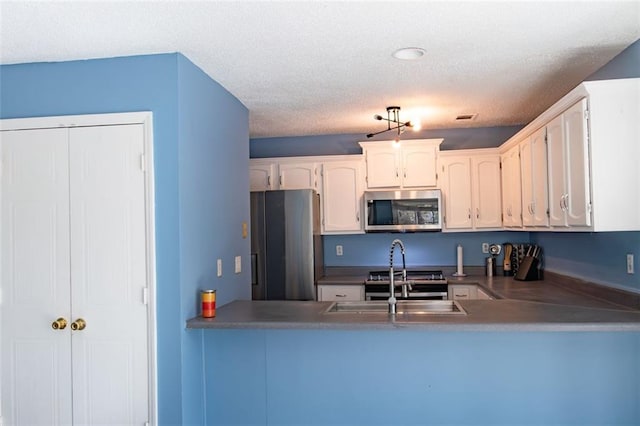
(36, 359)
(108, 274)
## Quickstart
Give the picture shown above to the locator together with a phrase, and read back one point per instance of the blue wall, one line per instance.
(421, 249)
(285, 377)
(200, 164)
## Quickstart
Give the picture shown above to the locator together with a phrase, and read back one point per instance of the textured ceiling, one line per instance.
(308, 68)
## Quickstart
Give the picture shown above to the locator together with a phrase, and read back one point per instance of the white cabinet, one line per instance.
(467, 292)
(533, 166)
(340, 293)
(262, 176)
(511, 189)
(462, 292)
(342, 197)
(568, 160)
(593, 175)
(299, 175)
(470, 181)
(408, 164)
(74, 272)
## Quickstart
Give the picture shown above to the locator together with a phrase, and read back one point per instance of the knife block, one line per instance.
(529, 269)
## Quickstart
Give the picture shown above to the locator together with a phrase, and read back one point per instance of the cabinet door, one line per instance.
(539, 178)
(533, 162)
(511, 188)
(74, 235)
(342, 197)
(261, 177)
(556, 160)
(36, 359)
(418, 166)
(486, 191)
(383, 167)
(456, 187)
(108, 274)
(578, 198)
(298, 176)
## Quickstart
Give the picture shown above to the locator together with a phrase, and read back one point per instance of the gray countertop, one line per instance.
(547, 305)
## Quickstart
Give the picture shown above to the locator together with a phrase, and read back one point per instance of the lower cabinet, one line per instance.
(340, 293)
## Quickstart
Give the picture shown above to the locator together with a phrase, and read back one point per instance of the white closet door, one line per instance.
(36, 359)
(108, 275)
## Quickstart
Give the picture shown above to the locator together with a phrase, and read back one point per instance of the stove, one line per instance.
(425, 285)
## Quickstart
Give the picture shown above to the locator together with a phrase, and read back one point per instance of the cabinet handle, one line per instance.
(405, 173)
(477, 213)
(469, 213)
(280, 180)
(357, 216)
(460, 296)
(59, 324)
(341, 295)
(397, 174)
(566, 202)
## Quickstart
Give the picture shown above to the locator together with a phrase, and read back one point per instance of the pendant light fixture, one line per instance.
(393, 122)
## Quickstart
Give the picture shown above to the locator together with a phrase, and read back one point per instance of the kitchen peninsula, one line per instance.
(554, 304)
(542, 352)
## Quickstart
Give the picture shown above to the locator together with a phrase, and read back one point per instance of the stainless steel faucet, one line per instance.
(392, 285)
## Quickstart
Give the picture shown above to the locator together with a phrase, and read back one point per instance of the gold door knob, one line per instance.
(59, 324)
(78, 324)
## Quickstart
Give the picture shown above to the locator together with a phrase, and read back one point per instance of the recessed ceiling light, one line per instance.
(409, 53)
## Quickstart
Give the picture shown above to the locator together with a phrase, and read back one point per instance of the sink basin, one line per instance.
(421, 307)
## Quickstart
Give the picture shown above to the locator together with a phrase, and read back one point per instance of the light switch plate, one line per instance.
(630, 268)
(238, 264)
(219, 265)
(338, 250)
(485, 247)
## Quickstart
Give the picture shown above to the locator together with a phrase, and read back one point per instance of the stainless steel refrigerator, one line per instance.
(286, 245)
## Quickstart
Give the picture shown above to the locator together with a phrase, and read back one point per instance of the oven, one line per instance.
(425, 285)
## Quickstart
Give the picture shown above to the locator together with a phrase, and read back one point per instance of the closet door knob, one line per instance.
(78, 324)
(59, 324)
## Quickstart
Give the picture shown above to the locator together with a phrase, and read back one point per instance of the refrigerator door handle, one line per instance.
(254, 269)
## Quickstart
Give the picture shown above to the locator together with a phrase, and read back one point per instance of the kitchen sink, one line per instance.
(419, 307)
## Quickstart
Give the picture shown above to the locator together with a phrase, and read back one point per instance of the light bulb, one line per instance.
(415, 125)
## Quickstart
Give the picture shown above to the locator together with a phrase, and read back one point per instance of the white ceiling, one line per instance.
(309, 68)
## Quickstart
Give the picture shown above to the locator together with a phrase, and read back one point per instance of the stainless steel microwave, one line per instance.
(403, 211)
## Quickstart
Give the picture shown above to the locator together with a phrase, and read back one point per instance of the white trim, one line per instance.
(140, 117)
(146, 119)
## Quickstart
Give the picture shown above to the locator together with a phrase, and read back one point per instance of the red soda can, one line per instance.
(208, 303)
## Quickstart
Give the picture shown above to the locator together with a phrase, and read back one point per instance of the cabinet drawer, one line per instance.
(462, 292)
(332, 293)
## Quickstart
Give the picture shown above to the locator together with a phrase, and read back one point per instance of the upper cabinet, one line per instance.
(533, 171)
(408, 164)
(511, 189)
(261, 175)
(299, 175)
(342, 197)
(589, 167)
(471, 186)
(266, 174)
(568, 168)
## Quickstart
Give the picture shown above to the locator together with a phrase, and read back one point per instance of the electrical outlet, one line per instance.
(238, 264)
(485, 247)
(219, 265)
(630, 268)
(338, 250)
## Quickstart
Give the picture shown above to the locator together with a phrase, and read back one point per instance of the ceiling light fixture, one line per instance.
(393, 116)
